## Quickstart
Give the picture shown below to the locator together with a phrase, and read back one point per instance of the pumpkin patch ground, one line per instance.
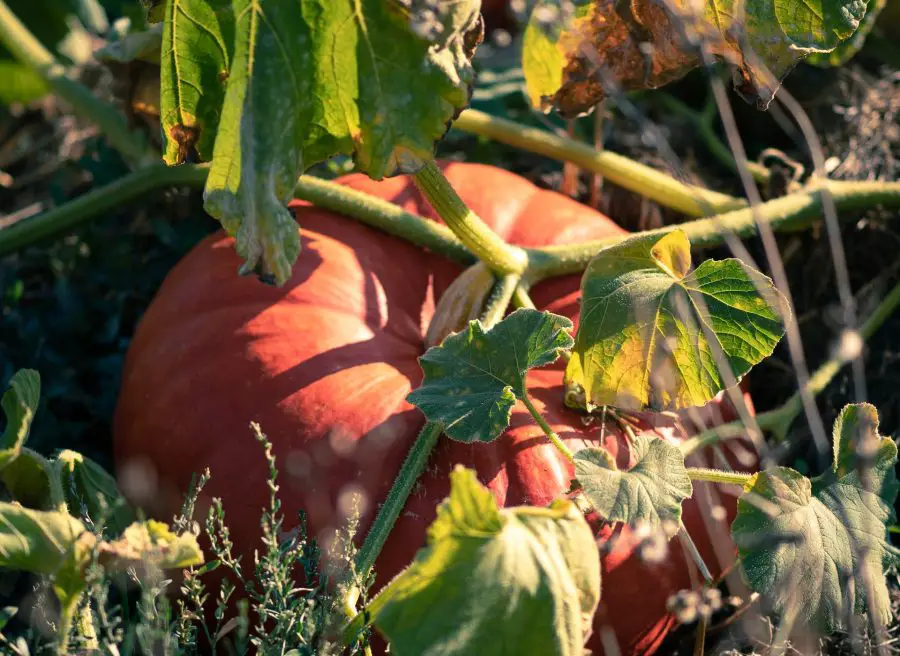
(499, 403)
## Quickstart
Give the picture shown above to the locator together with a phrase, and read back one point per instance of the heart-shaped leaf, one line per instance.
(817, 547)
(654, 334)
(651, 491)
(512, 581)
(472, 380)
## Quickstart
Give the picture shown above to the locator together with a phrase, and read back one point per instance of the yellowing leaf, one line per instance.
(89, 490)
(654, 334)
(36, 541)
(151, 543)
(512, 581)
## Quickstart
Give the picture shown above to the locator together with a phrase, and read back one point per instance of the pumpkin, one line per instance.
(324, 365)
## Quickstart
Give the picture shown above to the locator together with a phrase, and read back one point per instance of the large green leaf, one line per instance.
(472, 380)
(651, 491)
(19, 403)
(576, 52)
(804, 544)
(306, 80)
(653, 333)
(514, 581)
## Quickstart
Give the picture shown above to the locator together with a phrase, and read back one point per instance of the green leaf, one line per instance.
(574, 51)
(846, 50)
(19, 403)
(309, 80)
(36, 541)
(653, 333)
(651, 491)
(198, 43)
(89, 489)
(472, 380)
(802, 543)
(513, 581)
(151, 543)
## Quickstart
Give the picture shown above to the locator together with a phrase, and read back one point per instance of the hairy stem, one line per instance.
(551, 435)
(29, 51)
(642, 179)
(406, 478)
(499, 300)
(718, 476)
(779, 420)
(384, 215)
(788, 213)
(500, 257)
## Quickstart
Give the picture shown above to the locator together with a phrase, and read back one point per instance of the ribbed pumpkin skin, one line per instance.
(324, 365)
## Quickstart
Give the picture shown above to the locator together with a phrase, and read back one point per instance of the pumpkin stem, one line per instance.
(500, 257)
(412, 468)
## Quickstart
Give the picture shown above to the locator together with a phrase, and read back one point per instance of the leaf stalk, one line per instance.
(500, 257)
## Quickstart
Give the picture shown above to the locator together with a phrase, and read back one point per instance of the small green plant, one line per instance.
(104, 588)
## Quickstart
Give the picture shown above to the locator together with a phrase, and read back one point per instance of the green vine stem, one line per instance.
(788, 213)
(500, 257)
(779, 420)
(412, 468)
(642, 179)
(29, 51)
(718, 476)
(96, 202)
(369, 209)
(551, 435)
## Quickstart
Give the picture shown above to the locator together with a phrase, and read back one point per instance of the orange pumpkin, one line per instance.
(324, 365)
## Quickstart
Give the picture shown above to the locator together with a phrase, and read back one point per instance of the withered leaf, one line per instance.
(577, 52)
